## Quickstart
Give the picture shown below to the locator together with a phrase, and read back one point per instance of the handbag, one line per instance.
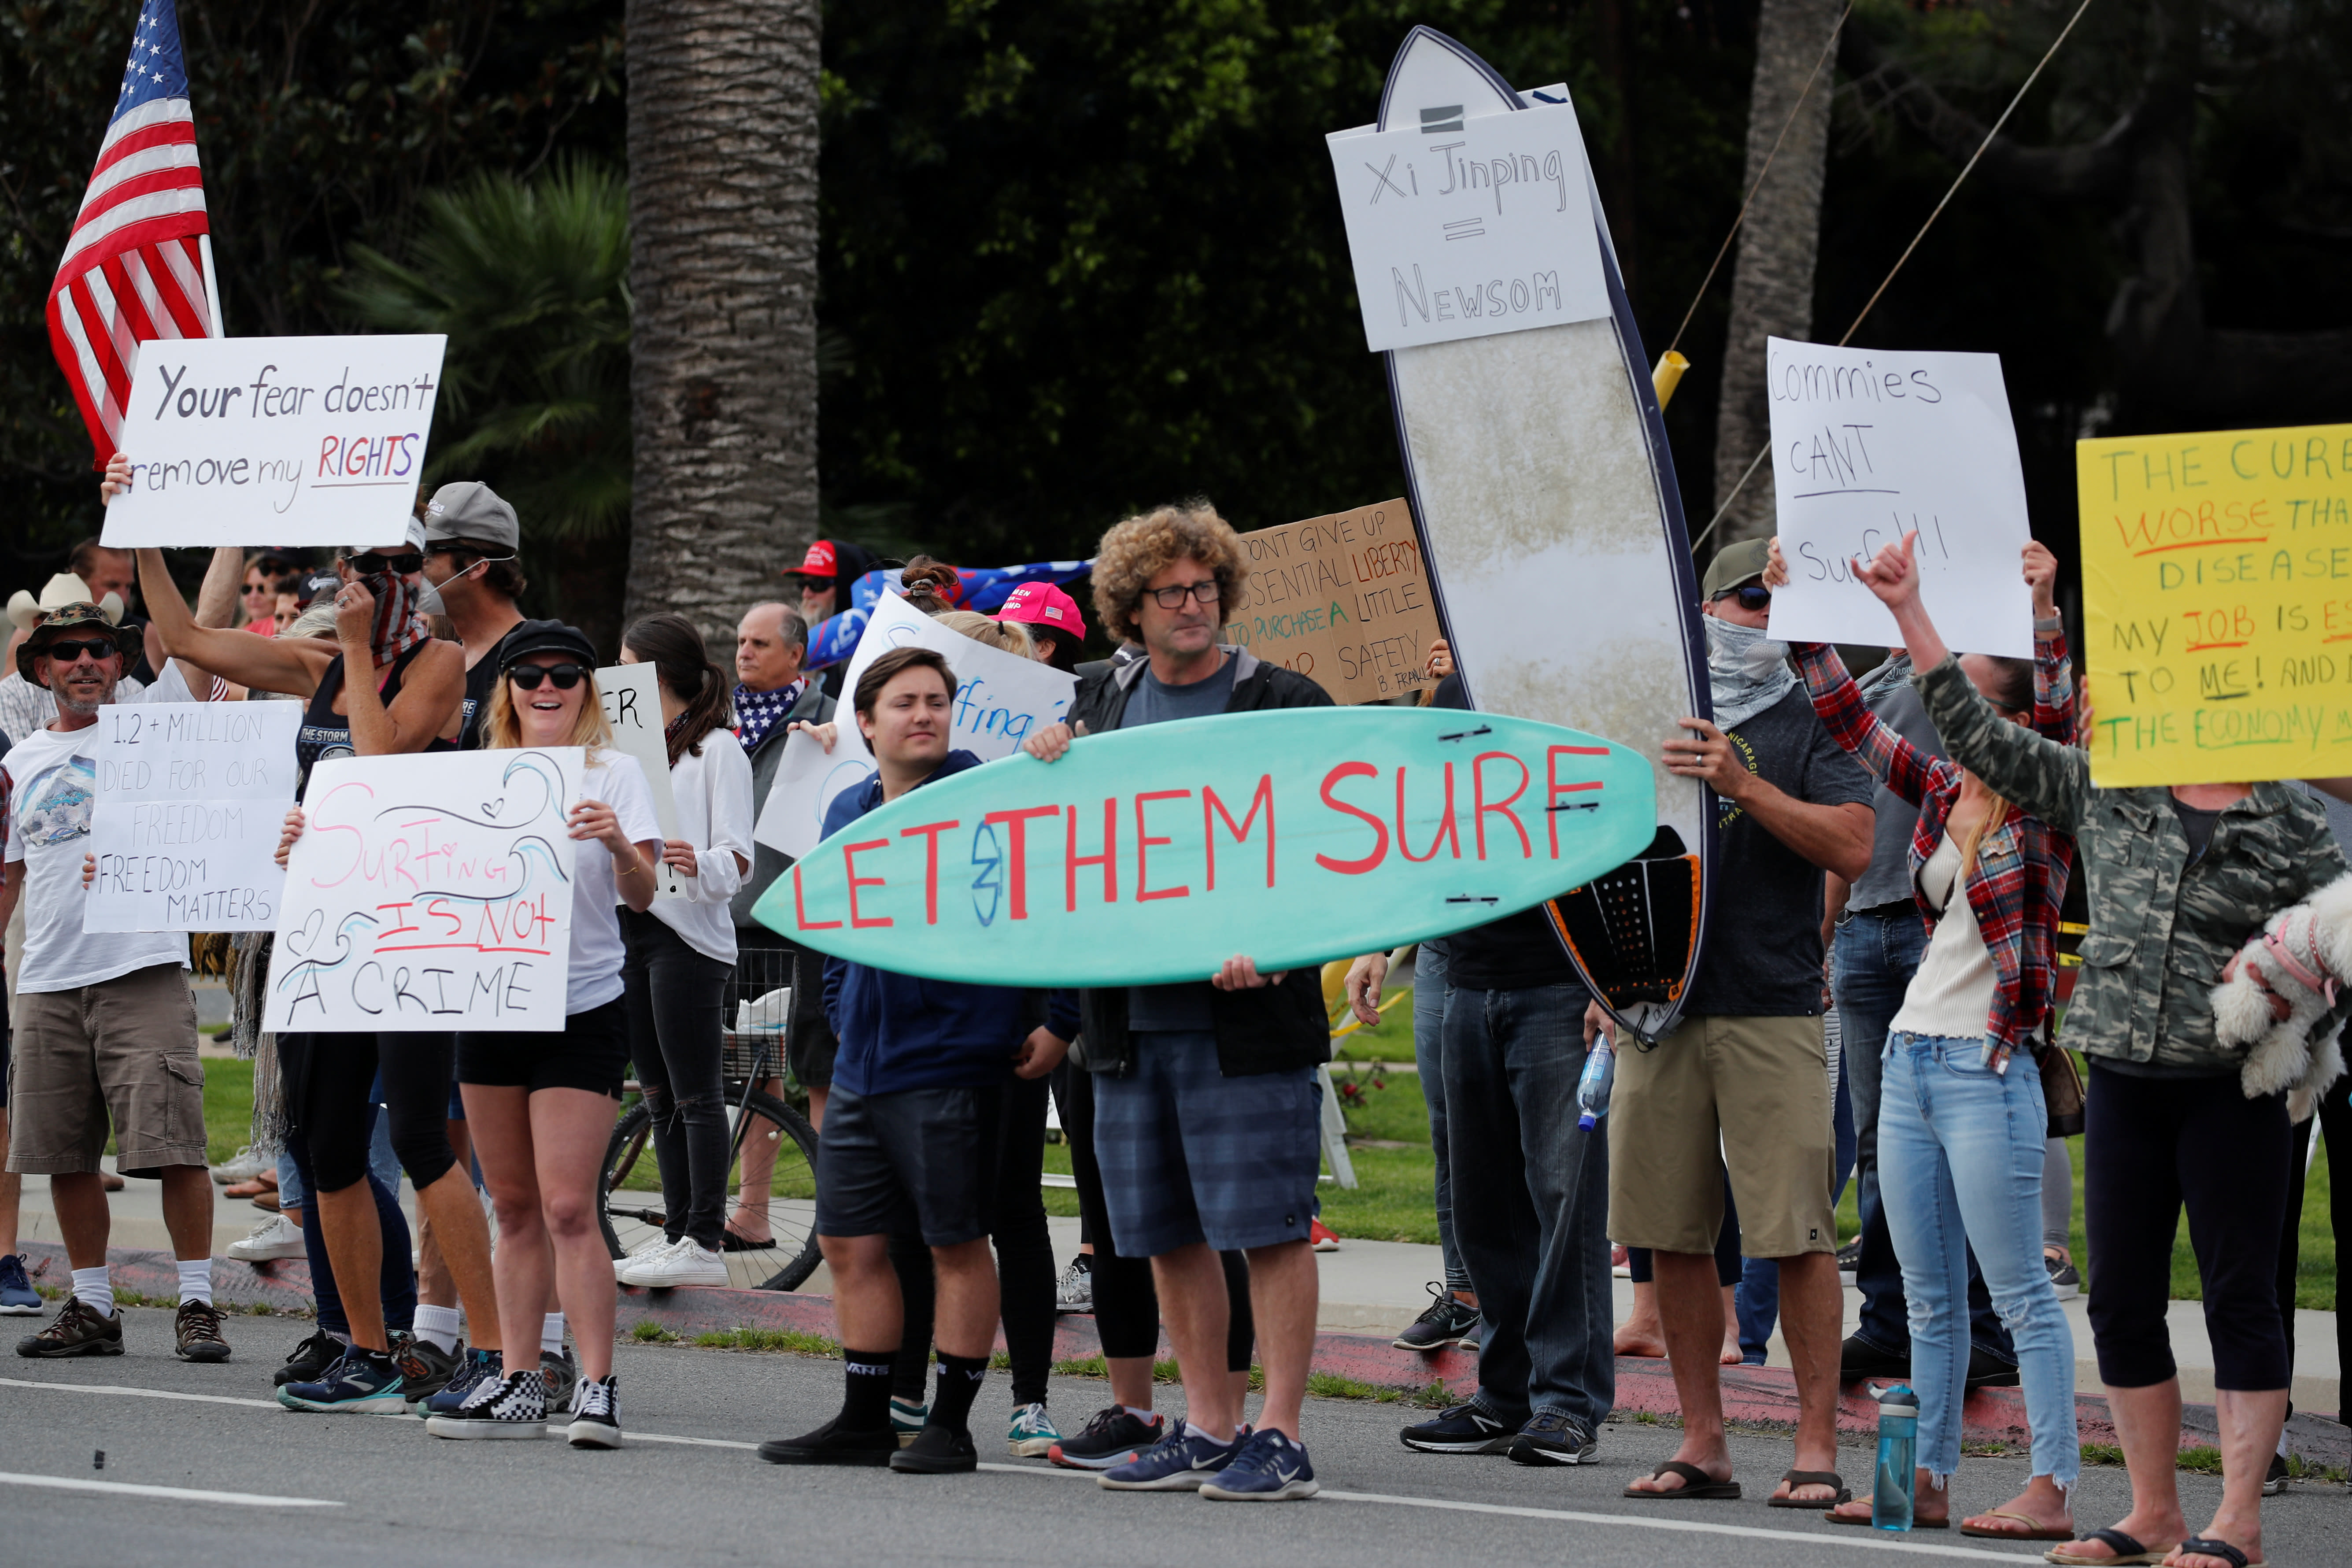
(2062, 1089)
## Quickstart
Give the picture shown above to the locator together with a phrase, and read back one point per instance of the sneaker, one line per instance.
(937, 1451)
(1267, 1468)
(514, 1406)
(2274, 1483)
(360, 1380)
(196, 1332)
(1032, 1433)
(308, 1361)
(831, 1445)
(1179, 1462)
(18, 1297)
(1470, 1337)
(480, 1366)
(243, 1166)
(77, 1329)
(1464, 1430)
(1553, 1439)
(562, 1378)
(687, 1263)
(425, 1369)
(645, 1252)
(1849, 1259)
(1113, 1437)
(1074, 1291)
(1323, 1237)
(906, 1419)
(1443, 1324)
(276, 1237)
(2064, 1278)
(596, 1414)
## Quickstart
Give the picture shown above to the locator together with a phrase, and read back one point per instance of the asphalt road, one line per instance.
(687, 1490)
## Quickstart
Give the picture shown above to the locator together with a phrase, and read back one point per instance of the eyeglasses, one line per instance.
(565, 676)
(66, 650)
(1752, 596)
(371, 564)
(1203, 591)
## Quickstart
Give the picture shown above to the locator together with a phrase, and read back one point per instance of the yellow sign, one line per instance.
(2217, 604)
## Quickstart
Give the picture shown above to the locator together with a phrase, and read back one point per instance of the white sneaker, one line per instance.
(687, 1263)
(276, 1237)
(644, 1252)
(243, 1166)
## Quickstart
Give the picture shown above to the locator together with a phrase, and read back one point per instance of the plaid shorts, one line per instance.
(1190, 1155)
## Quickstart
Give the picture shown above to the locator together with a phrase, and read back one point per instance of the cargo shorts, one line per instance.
(122, 1053)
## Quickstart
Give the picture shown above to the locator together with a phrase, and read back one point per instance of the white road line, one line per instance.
(176, 1494)
(138, 1392)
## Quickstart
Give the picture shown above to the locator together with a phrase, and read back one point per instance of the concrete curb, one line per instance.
(1752, 1396)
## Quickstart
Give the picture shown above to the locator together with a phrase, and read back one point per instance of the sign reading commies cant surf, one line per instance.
(1342, 599)
(299, 441)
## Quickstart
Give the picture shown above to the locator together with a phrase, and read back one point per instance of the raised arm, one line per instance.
(1897, 763)
(273, 664)
(2053, 672)
(430, 690)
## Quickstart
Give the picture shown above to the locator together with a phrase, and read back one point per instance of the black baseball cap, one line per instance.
(546, 636)
(311, 588)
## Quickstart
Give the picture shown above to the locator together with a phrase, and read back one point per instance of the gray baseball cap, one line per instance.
(471, 509)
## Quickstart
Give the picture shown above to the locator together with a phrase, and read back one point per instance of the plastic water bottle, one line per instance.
(1593, 1087)
(1898, 1455)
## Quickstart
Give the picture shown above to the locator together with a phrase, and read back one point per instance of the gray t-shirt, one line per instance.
(1888, 881)
(1186, 1003)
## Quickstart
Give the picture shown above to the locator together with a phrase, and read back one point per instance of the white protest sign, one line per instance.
(300, 441)
(1466, 228)
(1869, 444)
(1000, 699)
(191, 798)
(429, 892)
(632, 694)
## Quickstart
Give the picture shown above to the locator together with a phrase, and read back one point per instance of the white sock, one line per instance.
(550, 1334)
(437, 1326)
(1197, 1430)
(1144, 1415)
(93, 1285)
(196, 1279)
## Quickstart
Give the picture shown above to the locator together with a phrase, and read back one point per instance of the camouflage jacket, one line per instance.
(2161, 928)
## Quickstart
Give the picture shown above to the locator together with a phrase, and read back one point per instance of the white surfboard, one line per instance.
(1553, 532)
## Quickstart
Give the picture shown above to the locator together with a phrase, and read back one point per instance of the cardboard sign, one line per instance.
(1000, 699)
(1465, 227)
(1155, 854)
(191, 799)
(1343, 599)
(429, 892)
(632, 694)
(2217, 605)
(1869, 445)
(300, 441)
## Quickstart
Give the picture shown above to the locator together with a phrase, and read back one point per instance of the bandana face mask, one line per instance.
(1748, 671)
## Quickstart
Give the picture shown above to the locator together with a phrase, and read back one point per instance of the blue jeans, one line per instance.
(1960, 1150)
(1876, 956)
(1429, 1056)
(1531, 1203)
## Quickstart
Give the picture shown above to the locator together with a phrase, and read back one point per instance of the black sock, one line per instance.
(960, 1380)
(866, 1403)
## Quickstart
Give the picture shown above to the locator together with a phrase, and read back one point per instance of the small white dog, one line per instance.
(2300, 958)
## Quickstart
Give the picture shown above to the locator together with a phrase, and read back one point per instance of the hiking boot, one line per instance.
(1446, 1321)
(77, 1329)
(196, 1332)
(425, 1370)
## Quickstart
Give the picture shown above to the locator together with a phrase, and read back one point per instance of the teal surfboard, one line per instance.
(1156, 853)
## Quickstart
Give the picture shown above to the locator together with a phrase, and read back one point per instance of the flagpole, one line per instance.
(211, 285)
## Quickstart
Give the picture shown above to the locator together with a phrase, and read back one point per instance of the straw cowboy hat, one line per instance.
(63, 589)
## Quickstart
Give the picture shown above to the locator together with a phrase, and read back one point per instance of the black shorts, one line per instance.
(918, 1160)
(591, 1052)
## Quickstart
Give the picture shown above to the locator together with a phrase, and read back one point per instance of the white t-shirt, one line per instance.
(49, 780)
(1951, 993)
(597, 951)
(713, 794)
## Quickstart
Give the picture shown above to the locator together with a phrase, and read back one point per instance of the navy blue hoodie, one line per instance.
(898, 1032)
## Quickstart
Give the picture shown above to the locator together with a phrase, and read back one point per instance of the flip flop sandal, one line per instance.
(1812, 1478)
(1915, 1523)
(2034, 1529)
(730, 1242)
(2211, 1546)
(1696, 1483)
(2126, 1549)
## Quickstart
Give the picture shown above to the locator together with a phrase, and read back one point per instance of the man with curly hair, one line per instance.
(1206, 1109)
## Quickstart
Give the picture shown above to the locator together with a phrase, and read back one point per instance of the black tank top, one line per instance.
(327, 733)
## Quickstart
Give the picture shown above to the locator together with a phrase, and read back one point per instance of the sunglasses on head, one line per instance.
(66, 650)
(565, 676)
(371, 564)
(1751, 596)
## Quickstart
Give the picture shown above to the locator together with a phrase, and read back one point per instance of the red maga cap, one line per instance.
(1043, 604)
(819, 562)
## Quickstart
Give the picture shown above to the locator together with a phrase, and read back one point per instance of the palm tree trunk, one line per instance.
(723, 221)
(1773, 283)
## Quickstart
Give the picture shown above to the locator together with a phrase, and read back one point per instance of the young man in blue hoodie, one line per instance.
(911, 1132)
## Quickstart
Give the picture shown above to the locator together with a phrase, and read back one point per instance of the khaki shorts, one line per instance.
(1750, 1096)
(123, 1050)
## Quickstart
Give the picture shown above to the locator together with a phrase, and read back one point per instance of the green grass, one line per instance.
(792, 1341)
(228, 1106)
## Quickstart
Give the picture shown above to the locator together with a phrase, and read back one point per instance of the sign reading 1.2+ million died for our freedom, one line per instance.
(2217, 605)
(314, 442)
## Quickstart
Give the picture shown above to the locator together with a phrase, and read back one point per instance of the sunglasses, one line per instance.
(1205, 591)
(66, 650)
(816, 585)
(1751, 596)
(565, 676)
(371, 564)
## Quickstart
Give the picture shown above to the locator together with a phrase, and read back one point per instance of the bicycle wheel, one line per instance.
(781, 1150)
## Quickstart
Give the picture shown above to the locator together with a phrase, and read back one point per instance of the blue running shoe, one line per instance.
(1269, 1468)
(18, 1297)
(1179, 1462)
(360, 1380)
(480, 1365)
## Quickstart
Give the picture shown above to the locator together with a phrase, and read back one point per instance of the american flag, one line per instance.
(139, 264)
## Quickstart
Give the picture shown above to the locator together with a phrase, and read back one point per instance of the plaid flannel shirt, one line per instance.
(2020, 877)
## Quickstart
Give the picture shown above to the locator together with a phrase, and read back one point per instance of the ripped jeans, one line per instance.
(674, 998)
(1960, 1162)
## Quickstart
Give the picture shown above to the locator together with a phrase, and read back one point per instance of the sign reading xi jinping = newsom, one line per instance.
(300, 441)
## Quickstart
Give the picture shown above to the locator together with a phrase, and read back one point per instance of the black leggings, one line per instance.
(327, 1081)
(1127, 1304)
(674, 998)
(2150, 1146)
(2332, 1119)
(396, 1286)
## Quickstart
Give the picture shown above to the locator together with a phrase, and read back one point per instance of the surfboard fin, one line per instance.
(1632, 933)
